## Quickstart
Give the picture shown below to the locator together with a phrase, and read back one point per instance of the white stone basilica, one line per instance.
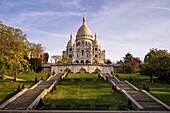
(85, 49)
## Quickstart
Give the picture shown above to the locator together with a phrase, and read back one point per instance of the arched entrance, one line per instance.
(82, 70)
(87, 61)
(77, 61)
(67, 70)
(82, 61)
(97, 70)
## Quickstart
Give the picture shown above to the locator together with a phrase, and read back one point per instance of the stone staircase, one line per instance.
(148, 103)
(25, 100)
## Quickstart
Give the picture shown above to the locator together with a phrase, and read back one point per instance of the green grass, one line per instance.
(8, 88)
(159, 90)
(31, 76)
(84, 92)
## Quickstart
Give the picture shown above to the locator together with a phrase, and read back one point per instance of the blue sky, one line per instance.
(122, 26)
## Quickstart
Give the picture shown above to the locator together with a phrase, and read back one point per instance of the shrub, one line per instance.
(41, 102)
(99, 75)
(54, 87)
(129, 102)
(19, 88)
(53, 72)
(130, 79)
(144, 87)
(23, 87)
(147, 88)
(117, 75)
(111, 73)
(115, 88)
(49, 75)
(36, 79)
(42, 78)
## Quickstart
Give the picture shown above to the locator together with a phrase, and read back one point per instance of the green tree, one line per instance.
(13, 48)
(157, 63)
(35, 64)
(108, 61)
(46, 56)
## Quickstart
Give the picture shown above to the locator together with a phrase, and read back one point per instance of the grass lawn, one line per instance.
(159, 90)
(8, 88)
(31, 76)
(74, 92)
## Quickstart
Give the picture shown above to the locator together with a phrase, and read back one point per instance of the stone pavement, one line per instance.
(148, 103)
(26, 99)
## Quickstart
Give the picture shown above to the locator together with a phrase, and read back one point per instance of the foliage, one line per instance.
(19, 88)
(36, 79)
(13, 47)
(46, 56)
(22, 87)
(108, 61)
(16, 50)
(65, 60)
(36, 64)
(130, 64)
(129, 102)
(130, 79)
(157, 63)
(147, 88)
(144, 87)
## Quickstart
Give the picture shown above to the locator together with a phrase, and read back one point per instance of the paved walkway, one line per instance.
(24, 100)
(148, 103)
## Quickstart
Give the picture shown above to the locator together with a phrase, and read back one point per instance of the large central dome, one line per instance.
(84, 31)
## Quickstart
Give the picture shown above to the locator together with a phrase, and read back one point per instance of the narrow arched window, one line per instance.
(82, 52)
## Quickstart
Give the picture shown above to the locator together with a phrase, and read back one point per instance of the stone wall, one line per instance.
(82, 68)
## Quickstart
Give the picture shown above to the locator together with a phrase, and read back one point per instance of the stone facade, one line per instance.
(85, 49)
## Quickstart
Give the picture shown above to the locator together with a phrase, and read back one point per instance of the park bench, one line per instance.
(82, 106)
(102, 107)
(62, 107)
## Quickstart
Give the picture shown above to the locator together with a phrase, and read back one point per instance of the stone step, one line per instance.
(23, 101)
(152, 106)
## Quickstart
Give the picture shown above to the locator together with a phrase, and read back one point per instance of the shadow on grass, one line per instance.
(73, 103)
(8, 96)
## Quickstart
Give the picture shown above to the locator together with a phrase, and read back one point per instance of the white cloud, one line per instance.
(133, 26)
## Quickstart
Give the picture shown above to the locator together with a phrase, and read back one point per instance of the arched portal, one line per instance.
(97, 70)
(82, 61)
(82, 70)
(77, 61)
(87, 61)
(67, 70)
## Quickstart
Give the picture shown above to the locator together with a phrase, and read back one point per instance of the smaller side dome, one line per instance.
(96, 41)
(70, 42)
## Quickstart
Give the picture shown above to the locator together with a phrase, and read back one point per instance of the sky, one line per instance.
(122, 26)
